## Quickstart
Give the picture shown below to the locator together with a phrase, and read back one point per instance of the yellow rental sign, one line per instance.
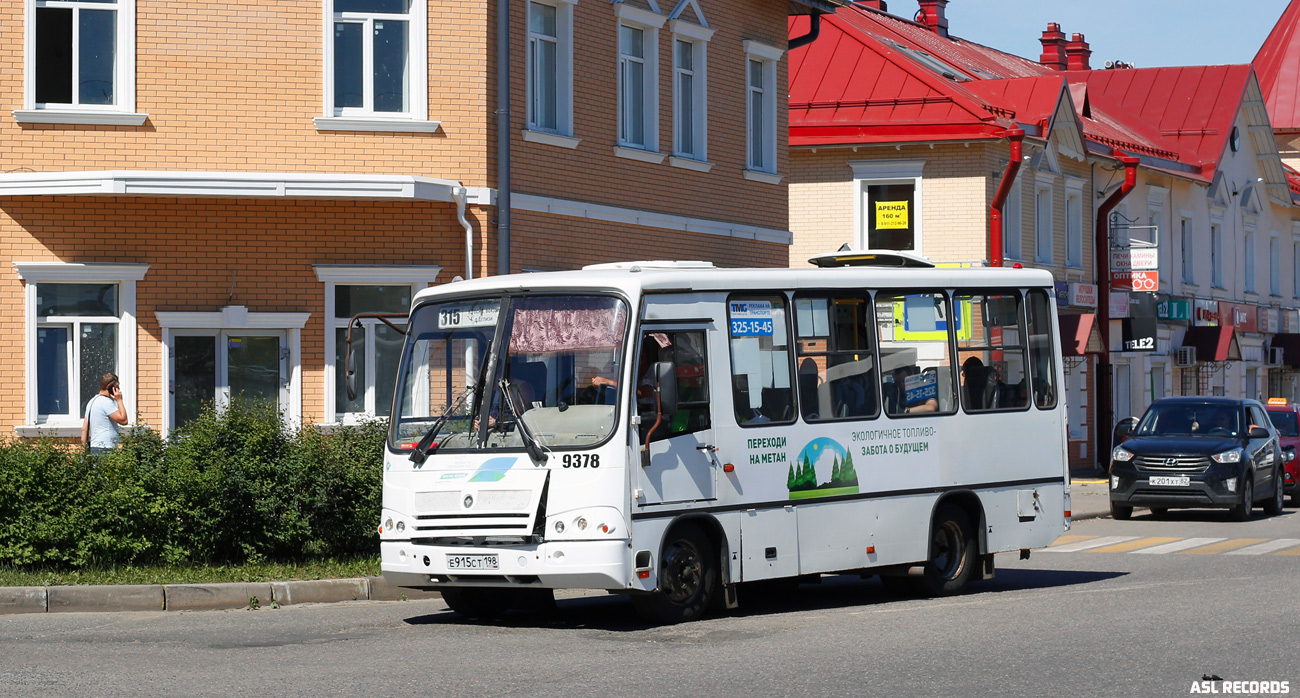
(891, 215)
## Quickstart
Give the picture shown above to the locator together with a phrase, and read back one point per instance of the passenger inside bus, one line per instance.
(977, 391)
(896, 401)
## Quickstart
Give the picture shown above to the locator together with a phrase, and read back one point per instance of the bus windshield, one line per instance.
(560, 361)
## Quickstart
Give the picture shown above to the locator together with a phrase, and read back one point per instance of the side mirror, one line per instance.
(665, 374)
(350, 370)
(1124, 428)
(1257, 432)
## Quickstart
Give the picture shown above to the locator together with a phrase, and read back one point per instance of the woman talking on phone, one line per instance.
(103, 413)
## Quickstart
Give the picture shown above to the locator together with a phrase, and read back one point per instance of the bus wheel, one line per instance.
(952, 553)
(480, 604)
(688, 578)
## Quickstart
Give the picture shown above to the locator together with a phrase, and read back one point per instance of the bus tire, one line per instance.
(953, 553)
(480, 604)
(688, 578)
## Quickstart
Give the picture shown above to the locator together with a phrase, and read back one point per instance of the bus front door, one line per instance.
(681, 466)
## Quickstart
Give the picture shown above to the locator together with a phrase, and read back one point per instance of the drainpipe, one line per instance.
(1017, 136)
(460, 194)
(814, 30)
(503, 136)
(1101, 261)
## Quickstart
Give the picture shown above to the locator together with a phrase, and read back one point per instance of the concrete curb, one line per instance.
(199, 597)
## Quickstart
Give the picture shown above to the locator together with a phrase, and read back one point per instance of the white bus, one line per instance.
(670, 429)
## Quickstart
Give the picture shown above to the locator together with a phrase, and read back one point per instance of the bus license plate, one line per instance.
(1167, 481)
(472, 562)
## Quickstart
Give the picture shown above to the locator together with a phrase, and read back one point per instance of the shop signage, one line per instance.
(1242, 317)
(1177, 311)
(1132, 280)
(1084, 295)
(1135, 259)
(1205, 313)
(1268, 320)
(891, 215)
(1138, 330)
(1290, 320)
(1118, 305)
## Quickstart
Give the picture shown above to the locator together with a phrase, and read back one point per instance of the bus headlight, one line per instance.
(581, 523)
(388, 525)
(1233, 456)
(1121, 454)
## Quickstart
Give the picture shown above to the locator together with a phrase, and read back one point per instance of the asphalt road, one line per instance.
(1081, 623)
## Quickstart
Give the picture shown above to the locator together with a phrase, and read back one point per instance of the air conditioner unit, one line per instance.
(1186, 356)
(1274, 356)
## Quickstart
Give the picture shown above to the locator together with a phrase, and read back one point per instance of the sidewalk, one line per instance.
(1089, 496)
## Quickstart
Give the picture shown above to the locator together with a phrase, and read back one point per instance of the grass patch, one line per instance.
(193, 574)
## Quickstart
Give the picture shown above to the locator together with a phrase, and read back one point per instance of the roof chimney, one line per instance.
(875, 4)
(1077, 53)
(932, 16)
(1053, 41)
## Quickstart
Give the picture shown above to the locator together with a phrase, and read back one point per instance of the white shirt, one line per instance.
(103, 431)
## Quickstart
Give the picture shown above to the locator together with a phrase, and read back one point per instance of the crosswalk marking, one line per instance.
(1065, 540)
(1223, 547)
(1268, 547)
(1131, 546)
(1088, 544)
(1292, 551)
(1174, 547)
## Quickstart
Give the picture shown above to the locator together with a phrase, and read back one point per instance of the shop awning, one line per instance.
(1213, 343)
(1289, 343)
(1079, 335)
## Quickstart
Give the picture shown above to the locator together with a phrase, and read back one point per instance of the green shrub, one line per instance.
(229, 487)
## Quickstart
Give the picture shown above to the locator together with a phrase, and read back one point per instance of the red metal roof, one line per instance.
(1278, 66)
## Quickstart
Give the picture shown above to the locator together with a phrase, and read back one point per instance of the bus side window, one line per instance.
(1041, 350)
(836, 376)
(992, 352)
(762, 389)
(915, 352)
(685, 350)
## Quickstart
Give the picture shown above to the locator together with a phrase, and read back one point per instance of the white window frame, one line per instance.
(650, 23)
(331, 275)
(1074, 222)
(1249, 268)
(770, 58)
(416, 118)
(1013, 222)
(232, 319)
(1044, 238)
(867, 173)
(1187, 241)
(698, 37)
(1274, 264)
(562, 134)
(122, 113)
(36, 273)
(1216, 248)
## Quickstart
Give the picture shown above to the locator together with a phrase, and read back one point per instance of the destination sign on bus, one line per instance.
(467, 315)
(751, 319)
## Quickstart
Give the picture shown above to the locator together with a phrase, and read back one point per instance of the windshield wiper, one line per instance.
(531, 443)
(427, 444)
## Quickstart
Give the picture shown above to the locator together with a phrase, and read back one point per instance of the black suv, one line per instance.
(1197, 452)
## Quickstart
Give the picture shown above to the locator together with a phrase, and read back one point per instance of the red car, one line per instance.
(1286, 417)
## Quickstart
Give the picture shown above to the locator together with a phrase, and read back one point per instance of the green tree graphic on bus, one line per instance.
(823, 468)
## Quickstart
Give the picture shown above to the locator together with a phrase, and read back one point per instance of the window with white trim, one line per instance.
(80, 321)
(375, 59)
(888, 208)
(1248, 253)
(638, 77)
(1216, 255)
(550, 66)
(760, 107)
(690, 90)
(1274, 265)
(376, 346)
(1187, 237)
(1073, 222)
(80, 55)
(1043, 224)
(1013, 213)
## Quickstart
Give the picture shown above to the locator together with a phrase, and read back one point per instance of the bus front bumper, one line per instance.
(553, 565)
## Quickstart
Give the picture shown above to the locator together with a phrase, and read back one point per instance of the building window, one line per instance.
(638, 78)
(376, 346)
(1012, 222)
(1249, 255)
(690, 90)
(888, 208)
(1188, 240)
(1274, 265)
(1043, 225)
(375, 58)
(1073, 223)
(550, 67)
(80, 55)
(80, 322)
(760, 130)
(1216, 256)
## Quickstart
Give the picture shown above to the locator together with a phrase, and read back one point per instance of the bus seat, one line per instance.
(778, 404)
(530, 378)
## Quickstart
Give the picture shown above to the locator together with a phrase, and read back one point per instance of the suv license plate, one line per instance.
(472, 562)
(1181, 481)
